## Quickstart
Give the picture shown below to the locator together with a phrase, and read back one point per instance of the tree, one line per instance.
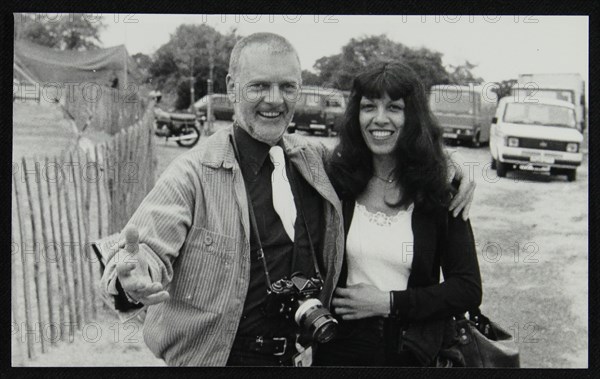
(504, 88)
(463, 75)
(309, 78)
(73, 31)
(186, 54)
(143, 63)
(339, 70)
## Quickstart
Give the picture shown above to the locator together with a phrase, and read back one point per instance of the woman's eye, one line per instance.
(396, 108)
(366, 107)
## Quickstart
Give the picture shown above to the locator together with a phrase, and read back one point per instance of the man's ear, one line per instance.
(232, 88)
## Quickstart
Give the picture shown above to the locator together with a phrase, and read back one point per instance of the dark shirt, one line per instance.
(278, 249)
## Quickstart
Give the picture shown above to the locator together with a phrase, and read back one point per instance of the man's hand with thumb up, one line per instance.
(133, 274)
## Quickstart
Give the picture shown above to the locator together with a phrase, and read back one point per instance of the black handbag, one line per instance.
(479, 342)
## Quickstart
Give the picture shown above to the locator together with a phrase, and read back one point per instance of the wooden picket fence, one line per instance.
(59, 205)
(106, 109)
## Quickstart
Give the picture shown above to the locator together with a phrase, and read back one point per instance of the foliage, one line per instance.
(143, 63)
(462, 74)
(504, 88)
(188, 53)
(339, 70)
(309, 78)
(73, 31)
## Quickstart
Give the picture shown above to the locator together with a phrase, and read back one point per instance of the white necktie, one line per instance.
(283, 199)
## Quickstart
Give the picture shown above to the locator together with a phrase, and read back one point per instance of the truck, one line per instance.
(464, 112)
(558, 86)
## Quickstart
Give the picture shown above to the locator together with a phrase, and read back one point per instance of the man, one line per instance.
(190, 251)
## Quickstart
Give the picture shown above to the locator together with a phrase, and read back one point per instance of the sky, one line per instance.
(502, 47)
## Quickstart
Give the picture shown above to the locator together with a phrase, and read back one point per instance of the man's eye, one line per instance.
(259, 86)
(290, 87)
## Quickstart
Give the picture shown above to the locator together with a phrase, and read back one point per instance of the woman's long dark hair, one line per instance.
(421, 164)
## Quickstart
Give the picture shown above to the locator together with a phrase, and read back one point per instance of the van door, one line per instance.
(314, 109)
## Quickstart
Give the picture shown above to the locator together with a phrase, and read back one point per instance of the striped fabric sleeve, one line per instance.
(163, 220)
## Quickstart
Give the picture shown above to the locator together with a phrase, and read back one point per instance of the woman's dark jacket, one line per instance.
(424, 308)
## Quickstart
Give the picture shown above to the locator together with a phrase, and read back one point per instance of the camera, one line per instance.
(296, 298)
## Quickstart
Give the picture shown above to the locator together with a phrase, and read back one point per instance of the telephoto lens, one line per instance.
(314, 318)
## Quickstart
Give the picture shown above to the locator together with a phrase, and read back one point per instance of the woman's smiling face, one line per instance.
(381, 121)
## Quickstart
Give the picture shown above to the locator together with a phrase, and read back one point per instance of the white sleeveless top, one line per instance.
(379, 248)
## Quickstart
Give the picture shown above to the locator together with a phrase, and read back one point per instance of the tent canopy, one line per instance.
(111, 67)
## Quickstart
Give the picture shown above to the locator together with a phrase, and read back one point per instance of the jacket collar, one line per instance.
(221, 153)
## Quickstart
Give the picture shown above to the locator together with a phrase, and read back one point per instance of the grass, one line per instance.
(539, 294)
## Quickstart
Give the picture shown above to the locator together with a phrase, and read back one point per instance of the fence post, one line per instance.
(98, 194)
(115, 184)
(36, 266)
(17, 351)
(88, 252)
(79, 211)
(59, 269)
(69, 284)
(49, 280)
(25, 273)
(74, 256)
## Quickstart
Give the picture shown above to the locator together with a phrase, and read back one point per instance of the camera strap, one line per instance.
(291, 176)
(254, 227)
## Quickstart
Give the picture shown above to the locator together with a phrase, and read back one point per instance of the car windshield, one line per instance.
(451, 101)
(539, 114)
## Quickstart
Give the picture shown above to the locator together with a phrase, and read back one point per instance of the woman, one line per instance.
(390, 171)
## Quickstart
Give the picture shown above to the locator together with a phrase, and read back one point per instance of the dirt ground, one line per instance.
(531, 232)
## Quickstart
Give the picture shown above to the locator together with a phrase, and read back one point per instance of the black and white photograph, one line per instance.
(300, 190)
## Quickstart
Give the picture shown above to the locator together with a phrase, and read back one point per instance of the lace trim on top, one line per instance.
(380, 218)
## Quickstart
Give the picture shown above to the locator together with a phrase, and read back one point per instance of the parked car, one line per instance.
(222, 107)
(536, 136)
(318, 109)
(465, 113)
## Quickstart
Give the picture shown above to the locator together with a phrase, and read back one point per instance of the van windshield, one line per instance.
(531, 94)
(451, 101)
(539, 114)
(334, 102)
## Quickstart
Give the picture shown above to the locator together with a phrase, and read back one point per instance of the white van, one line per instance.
(536, 136)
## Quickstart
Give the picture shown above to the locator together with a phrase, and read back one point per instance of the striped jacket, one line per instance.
(194, 231)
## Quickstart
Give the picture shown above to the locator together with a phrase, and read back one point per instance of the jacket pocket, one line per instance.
(203, 271)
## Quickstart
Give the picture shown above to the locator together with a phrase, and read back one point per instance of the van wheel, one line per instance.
(291, 129)
(475, 142)
(571, 175)
(501, 169)
(494, 163)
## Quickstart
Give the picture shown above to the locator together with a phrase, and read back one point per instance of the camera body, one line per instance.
(297, 298)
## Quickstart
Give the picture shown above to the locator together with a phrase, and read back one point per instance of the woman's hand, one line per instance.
(464, 198)
(360, 301)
